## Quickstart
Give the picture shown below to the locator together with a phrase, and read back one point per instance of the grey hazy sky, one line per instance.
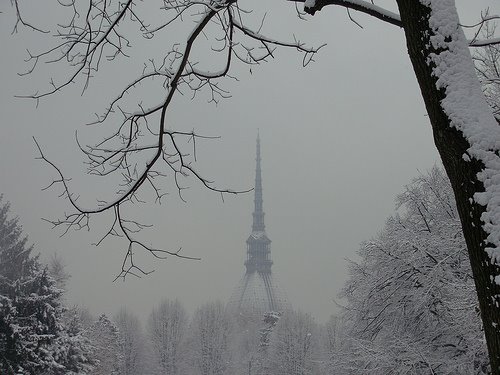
(340, 138)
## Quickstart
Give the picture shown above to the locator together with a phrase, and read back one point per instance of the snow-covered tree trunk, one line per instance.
(133, 343)
(467, 138)
(108, 346)
(210, 344)
(167, 325)
(293, 344)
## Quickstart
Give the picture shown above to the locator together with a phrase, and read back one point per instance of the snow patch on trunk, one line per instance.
(467, 109)
(308, 4)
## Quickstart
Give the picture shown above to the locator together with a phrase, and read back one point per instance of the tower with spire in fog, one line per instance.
(258, 291)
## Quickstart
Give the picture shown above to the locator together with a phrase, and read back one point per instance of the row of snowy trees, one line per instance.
(210, 342)
(213, 342)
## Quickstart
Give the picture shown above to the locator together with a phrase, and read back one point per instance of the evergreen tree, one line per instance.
(33, 336)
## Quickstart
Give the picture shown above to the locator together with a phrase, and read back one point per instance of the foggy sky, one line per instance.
(339, 139)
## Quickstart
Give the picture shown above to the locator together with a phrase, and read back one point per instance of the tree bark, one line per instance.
(463, 174)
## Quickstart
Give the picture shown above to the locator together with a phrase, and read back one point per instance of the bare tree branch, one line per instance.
(142, 148)
(313, 6)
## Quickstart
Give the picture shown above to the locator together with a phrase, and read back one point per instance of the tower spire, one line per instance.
(258, 213)
(258, 244)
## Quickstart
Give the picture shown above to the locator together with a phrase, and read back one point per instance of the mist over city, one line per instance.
(233, 187)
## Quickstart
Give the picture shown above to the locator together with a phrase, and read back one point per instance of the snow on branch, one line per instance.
(313, 6)
(484, 42)
(485, 22)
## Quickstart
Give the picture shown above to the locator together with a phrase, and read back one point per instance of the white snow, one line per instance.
(310, 4)
(370, 6)
(484, 42)
(468, 111)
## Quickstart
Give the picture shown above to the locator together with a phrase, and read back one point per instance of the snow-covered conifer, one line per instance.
(33, 336)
